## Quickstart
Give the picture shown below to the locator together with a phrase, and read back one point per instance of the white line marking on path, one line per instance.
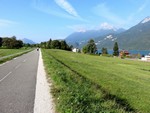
(17, 66)
(5, 76)
(24, 60)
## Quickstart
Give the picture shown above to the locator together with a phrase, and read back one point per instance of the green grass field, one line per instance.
(108, 84)
(8, 54)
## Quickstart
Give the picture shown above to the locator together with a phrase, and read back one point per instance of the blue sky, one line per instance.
(40, 20)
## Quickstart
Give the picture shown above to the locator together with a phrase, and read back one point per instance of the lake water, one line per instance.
(142, 52)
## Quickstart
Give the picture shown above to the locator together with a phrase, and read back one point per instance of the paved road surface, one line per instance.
(17, 84)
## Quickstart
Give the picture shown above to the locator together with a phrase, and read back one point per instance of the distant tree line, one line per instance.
(56, 44)
(10, 43)
(90, 48)
(115, 50)
(27, 45)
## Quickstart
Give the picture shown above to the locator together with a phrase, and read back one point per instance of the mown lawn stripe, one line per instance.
(119, 104)
(123, 78)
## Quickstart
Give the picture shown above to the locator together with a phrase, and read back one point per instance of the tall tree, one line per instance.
(6, 42)
(0, 41)
(116, 49)
(84, 49)
(56, 44)
(91, 46)
(63, 45)
(43, 45)
(49, 43)
(104, 51)
(12, 43)
(18, 44)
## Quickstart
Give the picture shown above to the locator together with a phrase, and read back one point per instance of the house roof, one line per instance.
(124, 51)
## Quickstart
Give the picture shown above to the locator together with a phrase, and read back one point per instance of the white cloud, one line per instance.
(86, 27)
(103, 11)
(134, 16)
(6, 23)
(51, 7)
(143, 6)
(67, 7)
(105, 25)
(78, 28)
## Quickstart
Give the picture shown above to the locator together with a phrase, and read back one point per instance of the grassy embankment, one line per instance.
(8, 54)
(85, 83)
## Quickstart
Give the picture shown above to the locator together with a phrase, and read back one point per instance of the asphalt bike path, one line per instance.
(18, 83)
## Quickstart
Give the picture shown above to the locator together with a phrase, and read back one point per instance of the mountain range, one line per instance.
(79, 39)
(135, 38)
(27, 41)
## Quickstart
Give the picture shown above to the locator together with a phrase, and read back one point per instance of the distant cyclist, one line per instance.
(37, 49)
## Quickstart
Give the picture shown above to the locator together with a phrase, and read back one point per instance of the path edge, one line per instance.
(43, 102)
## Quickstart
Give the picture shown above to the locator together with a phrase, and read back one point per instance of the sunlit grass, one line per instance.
(5, 52)
(127, 81)
(8, 54)
(124, 83)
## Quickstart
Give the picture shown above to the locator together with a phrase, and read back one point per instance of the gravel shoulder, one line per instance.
(43, 99)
